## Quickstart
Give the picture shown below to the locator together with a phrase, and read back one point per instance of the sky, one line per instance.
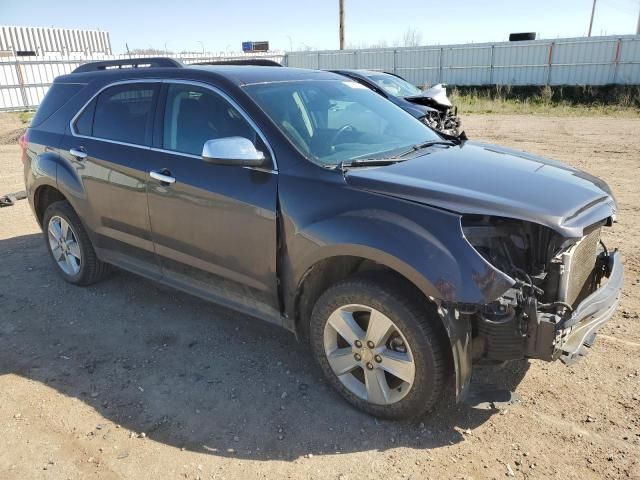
(222, 25)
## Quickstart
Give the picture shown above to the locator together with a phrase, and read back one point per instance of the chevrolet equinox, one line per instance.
(303, 198)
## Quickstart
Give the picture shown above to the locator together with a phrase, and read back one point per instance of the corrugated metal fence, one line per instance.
(63, 41)
(565, 61)
(25, 80)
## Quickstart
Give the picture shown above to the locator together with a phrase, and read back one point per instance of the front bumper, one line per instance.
(579, 331)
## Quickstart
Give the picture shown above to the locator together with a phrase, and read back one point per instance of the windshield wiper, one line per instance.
(368, 162)
(378, 162)
(420, 146)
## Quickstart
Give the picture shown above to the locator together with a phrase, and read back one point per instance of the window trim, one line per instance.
(169, 81)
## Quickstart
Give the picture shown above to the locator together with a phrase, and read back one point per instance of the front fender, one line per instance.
(425, 245)
(434, 256)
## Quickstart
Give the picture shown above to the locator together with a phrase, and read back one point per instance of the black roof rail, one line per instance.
(262, 62)
(129, 63)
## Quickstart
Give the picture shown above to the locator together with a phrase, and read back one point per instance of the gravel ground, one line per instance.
(129, 379)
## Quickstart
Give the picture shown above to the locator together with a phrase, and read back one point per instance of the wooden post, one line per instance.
(23, 91)
(593, 11)
(341, 24)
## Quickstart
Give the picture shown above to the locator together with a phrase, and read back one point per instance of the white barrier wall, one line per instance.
(563, 61)
(25, 80)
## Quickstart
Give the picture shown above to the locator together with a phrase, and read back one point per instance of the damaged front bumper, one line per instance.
(552, 337)
(547, 336)
(579, 331)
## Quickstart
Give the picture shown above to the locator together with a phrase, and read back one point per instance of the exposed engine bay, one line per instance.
(553, 275)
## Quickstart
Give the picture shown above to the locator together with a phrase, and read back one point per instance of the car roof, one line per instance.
(246, 75)
(239, 75)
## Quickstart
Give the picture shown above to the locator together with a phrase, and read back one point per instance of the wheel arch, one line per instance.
(333, 267)
(44, 196)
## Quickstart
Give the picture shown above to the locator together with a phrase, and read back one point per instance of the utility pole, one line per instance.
(638, 25)
(341, 24)
(593, 11)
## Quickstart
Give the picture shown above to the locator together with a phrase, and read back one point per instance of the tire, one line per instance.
(414, 320)
(83, 267)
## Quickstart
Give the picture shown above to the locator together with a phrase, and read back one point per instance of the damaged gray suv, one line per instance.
(304, 199)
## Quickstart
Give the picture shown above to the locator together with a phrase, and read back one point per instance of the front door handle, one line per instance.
(79, 153)
(164, 176)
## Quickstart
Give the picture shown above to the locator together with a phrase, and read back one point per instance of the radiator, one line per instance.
(578, 264)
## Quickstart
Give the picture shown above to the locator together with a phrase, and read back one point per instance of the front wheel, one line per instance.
(378, 347)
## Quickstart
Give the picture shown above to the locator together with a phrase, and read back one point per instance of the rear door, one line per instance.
(109, 149)
(214, 228)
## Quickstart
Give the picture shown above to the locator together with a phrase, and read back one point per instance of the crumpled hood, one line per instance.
(477, 178)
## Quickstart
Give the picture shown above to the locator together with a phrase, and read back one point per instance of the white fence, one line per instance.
(25, 80)
(565, 61)
(60, 41)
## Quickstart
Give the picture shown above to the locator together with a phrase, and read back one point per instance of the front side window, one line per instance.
(124, 113)
(332, 121)
(194, 115)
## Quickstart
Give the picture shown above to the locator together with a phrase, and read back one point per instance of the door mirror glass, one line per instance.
(238, 151)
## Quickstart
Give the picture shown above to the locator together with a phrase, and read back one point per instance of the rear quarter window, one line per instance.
(56, 97)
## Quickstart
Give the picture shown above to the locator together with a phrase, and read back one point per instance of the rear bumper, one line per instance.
(593, 312)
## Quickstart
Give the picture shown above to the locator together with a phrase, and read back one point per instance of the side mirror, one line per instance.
(238, 151)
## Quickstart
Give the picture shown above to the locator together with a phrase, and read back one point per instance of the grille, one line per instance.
(579, 264)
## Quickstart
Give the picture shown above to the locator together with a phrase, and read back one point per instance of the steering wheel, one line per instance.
(341, 131)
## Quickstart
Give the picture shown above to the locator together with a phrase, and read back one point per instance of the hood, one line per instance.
(476, 178)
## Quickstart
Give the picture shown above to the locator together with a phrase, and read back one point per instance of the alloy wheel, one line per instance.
(64, 245)
(369, 354)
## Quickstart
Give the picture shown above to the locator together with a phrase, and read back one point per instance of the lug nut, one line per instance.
(370, 344)
(357, 357)
(370, 366)
(378, 358)
(358, 343)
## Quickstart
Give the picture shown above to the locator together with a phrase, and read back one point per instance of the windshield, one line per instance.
(395, 86)
(339, 121)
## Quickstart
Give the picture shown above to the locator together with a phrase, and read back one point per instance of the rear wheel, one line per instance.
(377, 346)
(70, 247)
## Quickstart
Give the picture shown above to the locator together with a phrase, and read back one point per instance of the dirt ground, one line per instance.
(129, 379)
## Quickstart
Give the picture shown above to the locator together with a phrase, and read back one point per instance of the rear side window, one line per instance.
(56, 97)
(123, 113)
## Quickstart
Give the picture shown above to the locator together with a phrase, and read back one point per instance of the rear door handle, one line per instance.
(163, 176)
(79, 153)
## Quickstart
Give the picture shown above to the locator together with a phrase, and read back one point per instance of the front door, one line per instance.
(214, 227)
